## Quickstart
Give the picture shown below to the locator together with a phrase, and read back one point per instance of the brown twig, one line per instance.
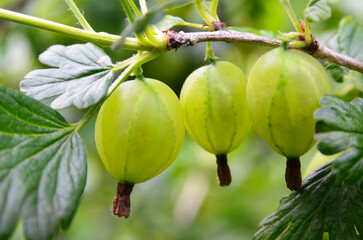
(318, 51)
(179, 38)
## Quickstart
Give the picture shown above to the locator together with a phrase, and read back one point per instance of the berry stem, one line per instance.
(224, 174)
(121, 203)
(293, 174)
(209, 53)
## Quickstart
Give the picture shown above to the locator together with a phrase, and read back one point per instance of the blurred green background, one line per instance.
(184, 202)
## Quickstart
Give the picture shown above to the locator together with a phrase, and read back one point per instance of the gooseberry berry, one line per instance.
(139, 132)
(283, 91)
(213, 100)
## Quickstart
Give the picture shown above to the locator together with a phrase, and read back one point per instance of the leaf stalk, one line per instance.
(205, 13)
(143, 7)
(82, 20)
(133, 64)
(101, 38)
(128, 10)
(213, 9)
(292, 16)
(134, 8)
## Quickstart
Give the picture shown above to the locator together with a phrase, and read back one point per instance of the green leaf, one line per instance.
(81, 76)
(261, 32)
(349, 166)
(168, 22)
(324, 204)
(350, 35)
(318, 10)
(43, 167)
(339, 128)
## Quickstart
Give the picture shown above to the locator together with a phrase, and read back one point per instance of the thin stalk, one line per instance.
(205, 7)
(307, 33)
(124, 75)
(104, 39)
(85, 119)
(213, 9)
(209, 53)
(138, 72)
(134, 8)
(144, 57)
(123, 64)
(143, 6)
(144, 40)
(292, 16)
(299, 44)
(129, 6)
(82, 20)
(204, 13)
(151, 37)
(128, 10)
(141, 59)
(193, 25)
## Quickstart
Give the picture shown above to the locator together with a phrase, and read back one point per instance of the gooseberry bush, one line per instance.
(287, 98)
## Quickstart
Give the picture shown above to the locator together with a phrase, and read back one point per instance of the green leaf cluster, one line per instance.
(43, 163)
(43, 167)
(81, 75)
(340, 128)
(331, 196)
(349, 36)
(168, 22)
(324, 204)
(318, 10)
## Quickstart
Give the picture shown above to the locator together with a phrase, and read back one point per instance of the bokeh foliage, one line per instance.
(185, 202)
